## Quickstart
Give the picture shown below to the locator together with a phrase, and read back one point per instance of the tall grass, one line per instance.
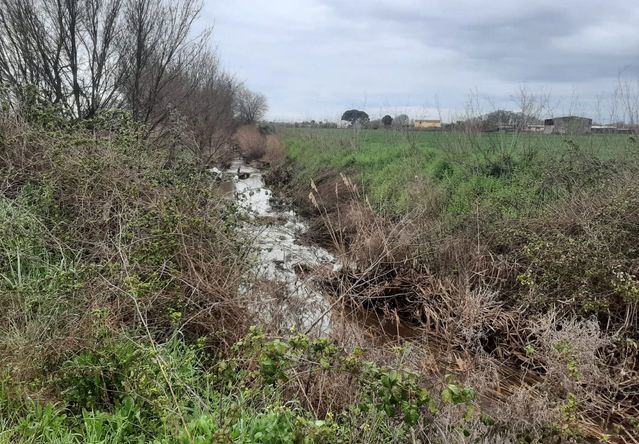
(514, 171)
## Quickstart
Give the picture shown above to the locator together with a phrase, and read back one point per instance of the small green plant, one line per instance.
(530, 350)
(97, 379)
(569, 415)
(394, 392)
(455, 394)
(565, 349)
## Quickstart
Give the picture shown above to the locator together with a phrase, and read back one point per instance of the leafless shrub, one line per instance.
(208, 113)
(382, 268)
(472, 314)
(571, 352)
(251, 142)
(527, 410)
(625, 102)
(366, 238)
(275, 150)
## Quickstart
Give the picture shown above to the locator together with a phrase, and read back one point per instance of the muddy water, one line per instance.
(284, 295)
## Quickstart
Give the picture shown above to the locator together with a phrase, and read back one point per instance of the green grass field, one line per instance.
(513, 174)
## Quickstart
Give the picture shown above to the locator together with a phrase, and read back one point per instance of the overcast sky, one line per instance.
(315, 58)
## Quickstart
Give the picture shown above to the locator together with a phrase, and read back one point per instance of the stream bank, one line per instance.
(282, 284)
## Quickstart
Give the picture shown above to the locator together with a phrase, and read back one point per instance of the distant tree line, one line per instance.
(493, 121)
(85, 56)
(361, 119)
(315, 124)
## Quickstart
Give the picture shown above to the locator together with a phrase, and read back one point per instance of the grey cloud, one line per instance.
(317, 57)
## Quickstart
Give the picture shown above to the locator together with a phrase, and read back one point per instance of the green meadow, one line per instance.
(458, 173)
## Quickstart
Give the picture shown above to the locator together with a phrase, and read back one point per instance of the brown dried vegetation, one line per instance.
(251, 142)
(546, 309)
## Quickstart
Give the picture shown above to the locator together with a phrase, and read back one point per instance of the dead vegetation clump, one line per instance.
(568, 369)
(570, 352)
(275, 150)
(527, 409)
(251, 142)
(259, 144)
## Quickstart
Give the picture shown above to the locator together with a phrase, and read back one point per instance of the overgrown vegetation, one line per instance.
(515, 251)
(487, 292)
(121, 266)
(122, 319)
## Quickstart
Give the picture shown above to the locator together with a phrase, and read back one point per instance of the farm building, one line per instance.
(610, 129)
(568, 125)
(428, 124)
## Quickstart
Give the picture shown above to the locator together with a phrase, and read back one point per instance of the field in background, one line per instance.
(513, 174)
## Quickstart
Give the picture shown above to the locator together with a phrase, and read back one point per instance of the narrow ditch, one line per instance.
(278, 281)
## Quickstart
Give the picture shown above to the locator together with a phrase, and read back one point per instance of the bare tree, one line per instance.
(66, 49)
(99, 37)
(250, 107)
(209, 110)
(531, 107)
(30, 54)
(140, 55)
(160, 50)
(88, 55)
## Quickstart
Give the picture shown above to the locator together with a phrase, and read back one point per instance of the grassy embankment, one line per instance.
(517, 251)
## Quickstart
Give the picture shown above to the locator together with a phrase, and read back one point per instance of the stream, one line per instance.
(278, 281)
